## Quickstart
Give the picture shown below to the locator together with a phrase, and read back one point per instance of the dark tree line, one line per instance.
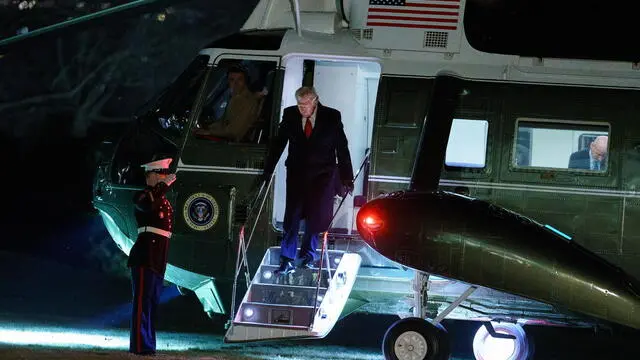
(102, 74)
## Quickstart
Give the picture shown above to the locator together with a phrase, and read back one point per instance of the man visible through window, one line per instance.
(594, 158)
(240, 112)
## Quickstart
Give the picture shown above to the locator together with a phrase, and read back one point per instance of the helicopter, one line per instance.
(507, 140)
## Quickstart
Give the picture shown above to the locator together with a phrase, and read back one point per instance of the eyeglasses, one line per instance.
(308, 103)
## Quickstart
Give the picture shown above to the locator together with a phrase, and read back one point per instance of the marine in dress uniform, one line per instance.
(148, 256)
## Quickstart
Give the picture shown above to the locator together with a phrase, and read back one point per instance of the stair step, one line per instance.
(273, 257)
(280, 307)
(271, 326)
(304, 278)
(270, 314)
(285, 295)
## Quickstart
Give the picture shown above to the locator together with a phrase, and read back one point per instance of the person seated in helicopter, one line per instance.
(235, 116)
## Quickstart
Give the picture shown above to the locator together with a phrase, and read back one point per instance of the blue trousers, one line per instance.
(289, 242)
(147, 286)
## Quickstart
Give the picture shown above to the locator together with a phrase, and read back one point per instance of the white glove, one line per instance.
(169, 179)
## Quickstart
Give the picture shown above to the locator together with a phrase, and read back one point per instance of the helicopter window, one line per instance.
(237, 102)
(561, 145)
(174, 106)
(467, 146)
(138, 145)
(406, 107)
(160, 127)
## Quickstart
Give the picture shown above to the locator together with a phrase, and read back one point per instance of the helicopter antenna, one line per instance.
(295, 7)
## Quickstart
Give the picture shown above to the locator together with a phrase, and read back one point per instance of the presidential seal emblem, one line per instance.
(201, 211)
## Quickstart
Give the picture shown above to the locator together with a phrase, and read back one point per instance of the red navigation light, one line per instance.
(371, 221)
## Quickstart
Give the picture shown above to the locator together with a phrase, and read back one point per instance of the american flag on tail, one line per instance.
(418, 14)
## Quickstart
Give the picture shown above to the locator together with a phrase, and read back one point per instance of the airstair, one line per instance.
(304, 304)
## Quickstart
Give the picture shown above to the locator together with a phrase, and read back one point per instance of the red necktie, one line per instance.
(308, 128)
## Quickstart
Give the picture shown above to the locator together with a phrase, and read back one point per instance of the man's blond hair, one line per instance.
(306, 91)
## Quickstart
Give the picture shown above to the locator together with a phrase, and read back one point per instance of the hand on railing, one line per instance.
(347, 188)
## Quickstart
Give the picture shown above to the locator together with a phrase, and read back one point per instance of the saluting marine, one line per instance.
(148, 257)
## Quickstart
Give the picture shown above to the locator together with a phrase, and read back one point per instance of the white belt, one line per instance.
(154, 230)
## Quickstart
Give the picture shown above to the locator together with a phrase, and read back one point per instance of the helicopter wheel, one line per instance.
(415, 339)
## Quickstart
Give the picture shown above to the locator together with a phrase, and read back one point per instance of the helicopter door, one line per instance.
(350, 87)
(223, 152)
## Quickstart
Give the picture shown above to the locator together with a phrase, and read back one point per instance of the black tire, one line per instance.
(434, 338)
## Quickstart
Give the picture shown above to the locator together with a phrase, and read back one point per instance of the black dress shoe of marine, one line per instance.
(145, 353)
(286, 267)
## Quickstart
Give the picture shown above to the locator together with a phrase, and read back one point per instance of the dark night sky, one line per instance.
(587, 29)
(48, 138)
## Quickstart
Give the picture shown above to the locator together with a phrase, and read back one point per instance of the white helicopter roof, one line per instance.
(416, 37)
(415, 25)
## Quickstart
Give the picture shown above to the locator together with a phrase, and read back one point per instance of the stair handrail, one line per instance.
(324, 241)
(241, 257)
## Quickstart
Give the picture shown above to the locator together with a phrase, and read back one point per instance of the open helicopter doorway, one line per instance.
(350, 86)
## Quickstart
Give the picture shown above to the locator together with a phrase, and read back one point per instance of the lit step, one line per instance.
(285, 294)
(300, 277)
(254, 313)
(283, 307)
(272, 257)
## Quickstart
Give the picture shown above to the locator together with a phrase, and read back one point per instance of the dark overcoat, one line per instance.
(581, 160)
(314, 176)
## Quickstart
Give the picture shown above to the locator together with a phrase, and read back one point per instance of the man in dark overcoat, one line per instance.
(593, 158)
(316, 139)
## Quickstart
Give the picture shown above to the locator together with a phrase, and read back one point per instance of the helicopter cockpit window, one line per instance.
(237, 101)
(138, 145)
(561, 145)
(171, 115)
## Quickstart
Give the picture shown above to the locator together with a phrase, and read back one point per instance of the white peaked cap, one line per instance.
(161, 164)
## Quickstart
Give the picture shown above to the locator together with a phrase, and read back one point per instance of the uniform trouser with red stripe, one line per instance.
(147, 286)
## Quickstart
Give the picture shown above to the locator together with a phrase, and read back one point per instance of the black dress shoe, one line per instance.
(306, 263)
(286, 267)
(145, 353)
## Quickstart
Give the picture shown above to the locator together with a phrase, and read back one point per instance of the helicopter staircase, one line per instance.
(303, 304)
